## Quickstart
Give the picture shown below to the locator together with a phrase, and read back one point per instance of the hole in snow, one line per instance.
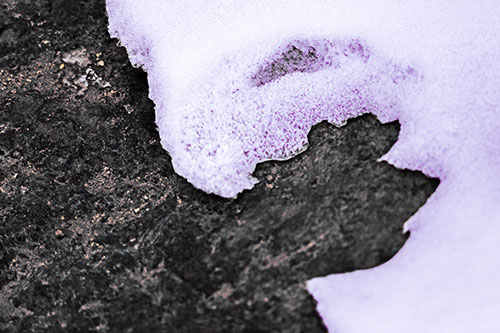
(308, 56)
(332, 208)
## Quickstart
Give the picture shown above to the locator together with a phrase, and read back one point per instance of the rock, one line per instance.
(140, 249)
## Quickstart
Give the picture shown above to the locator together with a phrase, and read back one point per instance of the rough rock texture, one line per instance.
(97, 233)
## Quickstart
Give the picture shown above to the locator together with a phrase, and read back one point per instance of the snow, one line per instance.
(239, 82)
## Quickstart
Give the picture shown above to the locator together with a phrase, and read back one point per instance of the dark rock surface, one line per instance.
(97, 233)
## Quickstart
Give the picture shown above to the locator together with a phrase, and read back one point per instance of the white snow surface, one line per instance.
(226, 100)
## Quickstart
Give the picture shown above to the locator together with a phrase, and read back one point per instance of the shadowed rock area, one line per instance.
(98, 234)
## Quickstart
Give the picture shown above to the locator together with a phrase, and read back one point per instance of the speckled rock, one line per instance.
(97, 233)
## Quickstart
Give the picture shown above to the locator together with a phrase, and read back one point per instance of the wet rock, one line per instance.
(97, 233)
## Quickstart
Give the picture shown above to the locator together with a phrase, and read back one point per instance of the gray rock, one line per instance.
(97, 233)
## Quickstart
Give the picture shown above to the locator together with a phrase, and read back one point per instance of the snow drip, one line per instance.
(239, 82)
